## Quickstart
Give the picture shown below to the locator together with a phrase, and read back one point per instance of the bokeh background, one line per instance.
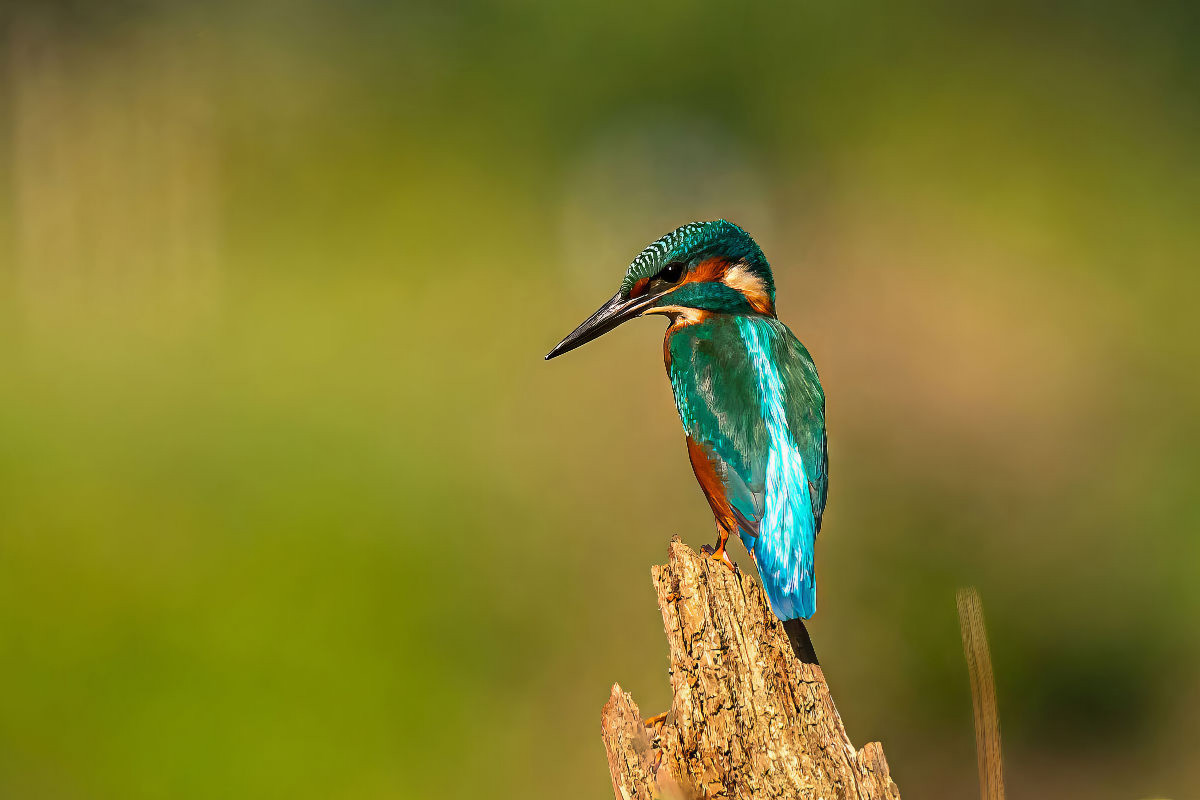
(290, 504)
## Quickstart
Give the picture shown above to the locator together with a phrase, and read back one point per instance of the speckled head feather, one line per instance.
(696, 242)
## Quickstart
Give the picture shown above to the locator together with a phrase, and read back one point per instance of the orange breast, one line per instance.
(705, 467)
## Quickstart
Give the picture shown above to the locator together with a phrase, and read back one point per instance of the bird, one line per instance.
(748, 396)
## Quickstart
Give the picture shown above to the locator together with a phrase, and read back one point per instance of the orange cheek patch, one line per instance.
(639, 288)
(761, 303)
(711, 270)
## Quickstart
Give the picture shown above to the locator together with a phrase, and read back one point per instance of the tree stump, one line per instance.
(748, 719)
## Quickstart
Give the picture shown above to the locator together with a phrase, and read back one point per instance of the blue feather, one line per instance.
(783, 549)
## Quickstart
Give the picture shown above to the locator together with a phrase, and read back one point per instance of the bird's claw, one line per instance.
(656, 720)
(722, 556)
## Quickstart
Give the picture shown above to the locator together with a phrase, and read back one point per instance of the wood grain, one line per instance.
(748, 720)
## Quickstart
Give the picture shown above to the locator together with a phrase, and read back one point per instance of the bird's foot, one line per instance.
(720, 554)
(656, 720)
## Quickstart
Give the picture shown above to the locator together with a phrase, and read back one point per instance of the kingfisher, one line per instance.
(748, 395)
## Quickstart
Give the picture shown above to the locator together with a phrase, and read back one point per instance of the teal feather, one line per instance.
(747, 392)
(693, 243)
(747, 389)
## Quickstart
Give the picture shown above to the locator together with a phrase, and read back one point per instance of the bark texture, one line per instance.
(748, 720)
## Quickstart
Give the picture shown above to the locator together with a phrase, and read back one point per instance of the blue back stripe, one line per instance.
(784, 547)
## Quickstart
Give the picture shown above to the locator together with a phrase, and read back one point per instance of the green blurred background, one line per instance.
(290, 504)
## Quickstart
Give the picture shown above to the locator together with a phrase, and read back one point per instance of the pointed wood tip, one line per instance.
(747, 718)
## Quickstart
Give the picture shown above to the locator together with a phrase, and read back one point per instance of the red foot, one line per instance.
(720, 554)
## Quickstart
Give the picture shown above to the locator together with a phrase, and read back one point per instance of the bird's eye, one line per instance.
(671, 272)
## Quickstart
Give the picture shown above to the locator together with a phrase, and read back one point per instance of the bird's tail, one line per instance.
(801, 643)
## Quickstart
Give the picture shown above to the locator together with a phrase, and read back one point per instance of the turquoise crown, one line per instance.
(695, 242)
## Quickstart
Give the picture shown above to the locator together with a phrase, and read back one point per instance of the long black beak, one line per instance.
(607, 317)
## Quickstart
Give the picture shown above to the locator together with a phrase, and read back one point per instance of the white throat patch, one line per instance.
(743, 280)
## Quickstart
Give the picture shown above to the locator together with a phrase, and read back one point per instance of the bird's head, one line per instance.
(697, 269)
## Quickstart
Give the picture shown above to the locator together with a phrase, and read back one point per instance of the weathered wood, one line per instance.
(748, 720)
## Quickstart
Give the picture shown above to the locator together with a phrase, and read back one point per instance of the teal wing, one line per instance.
(804, 403)
(716, 395)
(747, 391)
